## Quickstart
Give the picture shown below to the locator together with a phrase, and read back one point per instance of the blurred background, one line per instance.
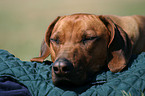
(23, 22)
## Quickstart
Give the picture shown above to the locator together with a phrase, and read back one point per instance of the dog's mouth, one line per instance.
(72, 80)
(65, 82)
(65, 74)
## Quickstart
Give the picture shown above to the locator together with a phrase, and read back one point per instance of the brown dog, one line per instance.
(82, 44)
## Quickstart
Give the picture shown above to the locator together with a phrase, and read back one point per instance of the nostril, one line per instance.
(62, 67)
(55, 69)
(65, 69)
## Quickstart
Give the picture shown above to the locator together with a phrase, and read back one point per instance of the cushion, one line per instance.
(37, 78)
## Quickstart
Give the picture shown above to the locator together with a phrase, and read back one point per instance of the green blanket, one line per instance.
(37, 78)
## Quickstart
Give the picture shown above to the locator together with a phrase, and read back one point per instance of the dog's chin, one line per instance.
(66, 83)
(63, 83)
(72, 80)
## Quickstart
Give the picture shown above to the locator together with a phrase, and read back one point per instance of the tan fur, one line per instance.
(115, 39)
(134, 26)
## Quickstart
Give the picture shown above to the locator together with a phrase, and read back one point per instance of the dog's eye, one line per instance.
(55, 40)
(88, 39)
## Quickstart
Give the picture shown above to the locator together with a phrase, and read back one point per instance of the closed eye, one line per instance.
(86, 39)
(54, 40)
(90, 38)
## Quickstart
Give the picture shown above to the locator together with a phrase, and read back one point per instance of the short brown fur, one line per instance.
(115, 39)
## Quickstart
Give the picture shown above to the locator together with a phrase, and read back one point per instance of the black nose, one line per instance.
(62, 67)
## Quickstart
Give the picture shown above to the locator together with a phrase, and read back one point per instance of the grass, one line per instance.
(23, 22)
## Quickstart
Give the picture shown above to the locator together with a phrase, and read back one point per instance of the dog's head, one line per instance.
(81, 45)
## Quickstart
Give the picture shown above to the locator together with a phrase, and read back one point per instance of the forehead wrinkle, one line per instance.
(78, 25)
(73, 25)
(68, 26)
(62, 28)
(82, 25)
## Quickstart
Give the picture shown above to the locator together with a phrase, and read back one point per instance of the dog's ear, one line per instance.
(45, 52)
(119, 46)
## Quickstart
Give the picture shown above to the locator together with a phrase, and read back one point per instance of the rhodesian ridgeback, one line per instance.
(80, 45)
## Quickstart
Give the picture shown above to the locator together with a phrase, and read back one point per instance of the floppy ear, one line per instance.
(45, 52)
(119, 46)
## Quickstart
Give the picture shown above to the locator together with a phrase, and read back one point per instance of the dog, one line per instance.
(81, 45)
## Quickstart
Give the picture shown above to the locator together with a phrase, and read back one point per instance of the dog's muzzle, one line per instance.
(62, 67)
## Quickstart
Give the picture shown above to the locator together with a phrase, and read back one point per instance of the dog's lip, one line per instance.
(63, 82)
(70, 80)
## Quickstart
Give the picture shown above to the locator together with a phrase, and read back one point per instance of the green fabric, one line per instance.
(37, 78)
